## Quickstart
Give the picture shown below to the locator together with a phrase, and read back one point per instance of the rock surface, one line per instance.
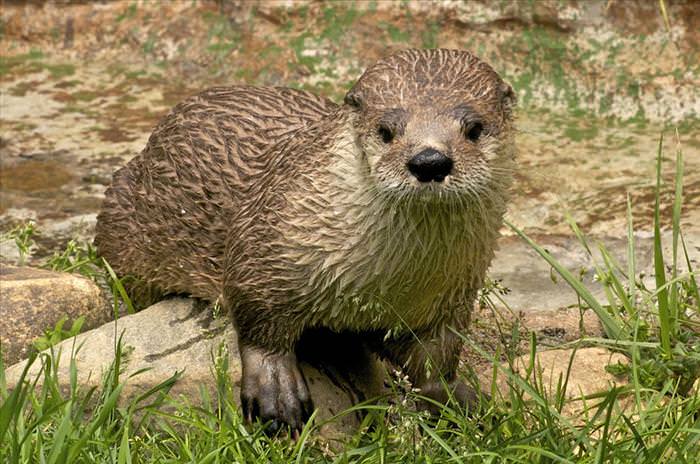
(562, 325)
(180, 335)
(33, 300)
(535, 286)
(586, 376)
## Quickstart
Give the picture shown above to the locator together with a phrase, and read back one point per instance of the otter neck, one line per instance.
(383, 261)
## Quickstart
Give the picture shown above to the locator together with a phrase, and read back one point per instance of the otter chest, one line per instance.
(390, 284)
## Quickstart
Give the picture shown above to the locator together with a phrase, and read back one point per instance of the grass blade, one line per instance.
(614, 281)
(107, 408)
(677, 202)
(631, 257)
(124, 456)
(441, 442)
(117, 285)
(613, 328)
(602, 451)
(659, 271)
(15, 399)
(57, 448)
(693, 283)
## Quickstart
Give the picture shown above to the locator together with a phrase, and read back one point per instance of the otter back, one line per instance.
(164, 218)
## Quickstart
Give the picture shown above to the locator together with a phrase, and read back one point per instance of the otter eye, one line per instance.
(474, 131)
(386, 134)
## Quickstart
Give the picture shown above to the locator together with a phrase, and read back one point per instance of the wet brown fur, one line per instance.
(297, 214)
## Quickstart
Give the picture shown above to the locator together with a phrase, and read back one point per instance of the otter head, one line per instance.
(433, 121)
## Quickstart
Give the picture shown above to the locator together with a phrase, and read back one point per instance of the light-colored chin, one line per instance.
(428, 191)
(430, 186)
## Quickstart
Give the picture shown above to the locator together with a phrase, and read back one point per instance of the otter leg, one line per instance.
(430, 360)
(273, 389)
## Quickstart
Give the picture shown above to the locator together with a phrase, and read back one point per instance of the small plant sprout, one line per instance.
(23, 236)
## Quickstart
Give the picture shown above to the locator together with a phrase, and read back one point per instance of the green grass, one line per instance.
(57, 333)
(23, 237)
(7, 63)
(82, 258)
(59, 71)
(46, 424)
(653, 418)
(656, 329)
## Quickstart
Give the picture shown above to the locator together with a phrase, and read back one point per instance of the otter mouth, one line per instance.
(445, 190)
(435, 190)
(439, 188)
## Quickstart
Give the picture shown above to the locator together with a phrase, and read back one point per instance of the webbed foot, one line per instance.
(273, 390)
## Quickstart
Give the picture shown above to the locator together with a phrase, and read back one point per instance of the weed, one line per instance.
(338, 22)
(222, 38)
(298, 44)
(82, 258)
(429, 36)
(57, 334)
(23, 236)
(397, 35)
(7, 63)
(578, 133)
(85, 95)
(77, 257)
(135, 74)
(150, 44)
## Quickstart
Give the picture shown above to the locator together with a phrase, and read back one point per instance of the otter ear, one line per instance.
(508, 97)
(354, 98)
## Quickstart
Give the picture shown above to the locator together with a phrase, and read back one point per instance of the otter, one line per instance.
(377, 217)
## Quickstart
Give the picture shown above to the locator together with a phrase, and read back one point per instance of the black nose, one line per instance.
(430, 165)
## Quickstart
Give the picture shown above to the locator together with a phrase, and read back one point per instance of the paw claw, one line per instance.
(273, 390)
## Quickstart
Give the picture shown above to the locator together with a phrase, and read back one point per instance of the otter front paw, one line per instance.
(274, 390)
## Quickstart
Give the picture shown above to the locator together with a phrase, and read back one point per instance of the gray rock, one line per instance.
(80, 227)
(536, 286)
(180, 335)
(34, 300)
(9, 251)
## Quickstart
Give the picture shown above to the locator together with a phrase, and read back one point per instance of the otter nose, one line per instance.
(430, 165)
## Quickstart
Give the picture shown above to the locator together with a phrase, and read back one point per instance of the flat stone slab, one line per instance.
(34, 300)
(180, 335)
(583, 369)
(535, 286)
